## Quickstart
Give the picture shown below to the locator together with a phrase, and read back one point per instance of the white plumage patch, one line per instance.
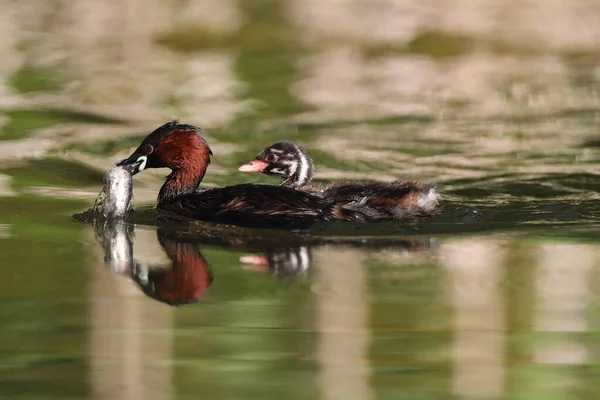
(428, 200)
(293, 168)
(144, 160)
(304, 167)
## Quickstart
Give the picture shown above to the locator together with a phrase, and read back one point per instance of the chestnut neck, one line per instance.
(181, 181)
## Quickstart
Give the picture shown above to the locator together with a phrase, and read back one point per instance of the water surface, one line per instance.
(494, 298)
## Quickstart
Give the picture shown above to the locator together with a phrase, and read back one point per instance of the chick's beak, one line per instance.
(254, 166)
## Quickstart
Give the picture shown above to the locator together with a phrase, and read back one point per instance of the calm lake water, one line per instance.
(494, 298)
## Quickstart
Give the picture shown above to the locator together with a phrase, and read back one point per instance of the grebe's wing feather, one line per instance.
(251, 205)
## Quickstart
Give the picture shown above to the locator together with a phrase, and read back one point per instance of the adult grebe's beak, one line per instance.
(134, 163)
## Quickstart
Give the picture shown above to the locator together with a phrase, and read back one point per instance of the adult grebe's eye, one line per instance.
(148, 148)
(271, 157)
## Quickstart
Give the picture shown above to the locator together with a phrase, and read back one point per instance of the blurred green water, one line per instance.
(494, 298)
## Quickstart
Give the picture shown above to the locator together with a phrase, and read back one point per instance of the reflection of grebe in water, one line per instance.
(281, 262)
(184, 281)
(295, 260)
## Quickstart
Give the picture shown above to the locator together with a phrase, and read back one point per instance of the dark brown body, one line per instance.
(251, 205)
(377, 201)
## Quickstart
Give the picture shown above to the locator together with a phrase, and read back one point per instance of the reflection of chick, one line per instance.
(282, 262)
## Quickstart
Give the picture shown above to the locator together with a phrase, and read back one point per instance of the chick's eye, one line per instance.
(148, 148)
(271, 157)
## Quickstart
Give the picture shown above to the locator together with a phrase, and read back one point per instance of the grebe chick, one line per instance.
(370, 201)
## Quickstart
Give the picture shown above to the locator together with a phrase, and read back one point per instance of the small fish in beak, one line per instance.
(114, 200)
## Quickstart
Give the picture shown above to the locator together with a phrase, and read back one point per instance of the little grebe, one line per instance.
(370, 201)
(180, 148)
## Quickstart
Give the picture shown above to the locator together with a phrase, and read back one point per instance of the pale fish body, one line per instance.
(114, 200)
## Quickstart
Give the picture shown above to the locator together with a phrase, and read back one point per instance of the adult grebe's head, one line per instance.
(284, 159)
(176, 146)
